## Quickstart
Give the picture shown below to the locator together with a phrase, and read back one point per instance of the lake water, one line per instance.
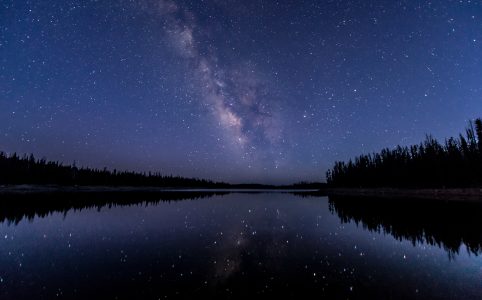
(240, 244)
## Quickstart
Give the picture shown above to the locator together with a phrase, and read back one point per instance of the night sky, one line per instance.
(234, 90)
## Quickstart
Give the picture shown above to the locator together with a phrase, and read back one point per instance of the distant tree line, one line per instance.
(455, 163)
(29, 170)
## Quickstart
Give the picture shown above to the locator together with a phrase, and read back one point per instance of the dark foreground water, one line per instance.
(239, 245)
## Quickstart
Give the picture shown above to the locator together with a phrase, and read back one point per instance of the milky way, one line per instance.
(236, 96)
(265, 91)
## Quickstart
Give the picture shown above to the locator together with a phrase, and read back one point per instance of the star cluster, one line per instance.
(265, 91)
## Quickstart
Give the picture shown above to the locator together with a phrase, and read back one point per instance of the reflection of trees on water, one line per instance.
(446, 225)
(16, 207)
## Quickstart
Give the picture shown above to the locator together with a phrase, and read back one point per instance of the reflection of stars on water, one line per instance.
(313, 258)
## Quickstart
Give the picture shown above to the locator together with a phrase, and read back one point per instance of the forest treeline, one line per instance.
(455, 163)
(26, 169)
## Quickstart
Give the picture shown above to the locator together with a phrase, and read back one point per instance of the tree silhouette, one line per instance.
(28, 170)
(455, 163)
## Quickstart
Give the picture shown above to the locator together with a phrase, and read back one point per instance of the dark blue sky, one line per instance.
(265, 91)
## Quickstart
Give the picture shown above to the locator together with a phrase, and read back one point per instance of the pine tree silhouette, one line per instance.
(456, 163)
(28, 170)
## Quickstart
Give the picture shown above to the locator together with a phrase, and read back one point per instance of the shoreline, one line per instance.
(447, 194)
(33, 189)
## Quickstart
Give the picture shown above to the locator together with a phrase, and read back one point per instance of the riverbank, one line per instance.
(35, 189)
(450, 194)
(27, 189)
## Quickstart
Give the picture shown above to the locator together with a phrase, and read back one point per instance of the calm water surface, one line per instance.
(236, 245)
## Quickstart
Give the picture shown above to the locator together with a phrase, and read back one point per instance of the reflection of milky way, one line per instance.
(237, 98)
(259, 239)
(238, 245)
